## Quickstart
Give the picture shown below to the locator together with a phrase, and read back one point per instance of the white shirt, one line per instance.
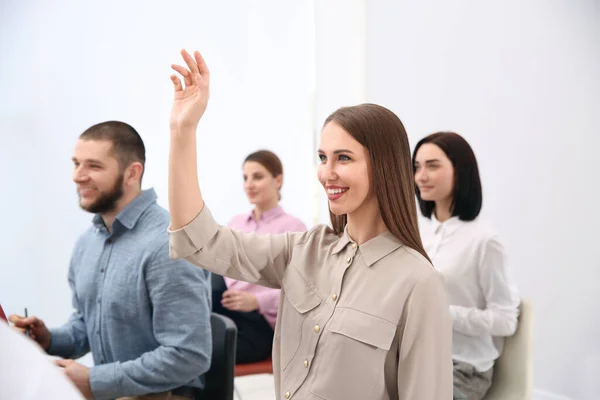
(483, 301)
(26, 372)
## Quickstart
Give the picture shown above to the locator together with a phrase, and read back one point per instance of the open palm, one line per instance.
(190, 101)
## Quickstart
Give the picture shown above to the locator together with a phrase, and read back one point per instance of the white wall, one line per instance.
(340, 69)
(68, 64)
(520, 80)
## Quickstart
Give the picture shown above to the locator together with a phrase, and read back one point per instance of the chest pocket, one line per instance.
(351, 356)
(300, 298)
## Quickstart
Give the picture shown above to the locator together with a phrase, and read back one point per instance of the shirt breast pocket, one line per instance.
(351, 355)
(300, 298)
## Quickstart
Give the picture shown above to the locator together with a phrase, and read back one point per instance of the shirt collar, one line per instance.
(267, 215)
(132, 211)
(372, 250)
(342, 242)
(449, 226)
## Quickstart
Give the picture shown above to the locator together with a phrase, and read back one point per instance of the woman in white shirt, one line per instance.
(463, 247)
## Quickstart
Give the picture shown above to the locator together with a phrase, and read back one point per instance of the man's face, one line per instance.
(98, 176)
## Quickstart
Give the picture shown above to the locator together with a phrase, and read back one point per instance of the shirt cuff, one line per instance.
(185, 241)
(268, 301)
(61, 343)
(456, 312)
(103, 382)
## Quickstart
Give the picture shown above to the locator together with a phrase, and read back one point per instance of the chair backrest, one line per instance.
(219, 378)
(513, 370)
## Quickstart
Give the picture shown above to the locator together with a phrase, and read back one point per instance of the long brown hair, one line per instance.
(270, 161)
(382, 133)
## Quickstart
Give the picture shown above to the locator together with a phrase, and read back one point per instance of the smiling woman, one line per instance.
(334, 339)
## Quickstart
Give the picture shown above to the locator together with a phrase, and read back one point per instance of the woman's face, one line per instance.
(261, 187)
(344, 171)
(434, 173)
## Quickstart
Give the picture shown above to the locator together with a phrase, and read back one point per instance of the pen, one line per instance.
(27, 328)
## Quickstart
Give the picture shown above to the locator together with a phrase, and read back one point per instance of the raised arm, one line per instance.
(194, 234)
(190, 100)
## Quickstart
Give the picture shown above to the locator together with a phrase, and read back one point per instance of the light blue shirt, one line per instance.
(145, 317)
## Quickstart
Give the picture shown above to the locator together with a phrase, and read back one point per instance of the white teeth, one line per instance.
(335, 191)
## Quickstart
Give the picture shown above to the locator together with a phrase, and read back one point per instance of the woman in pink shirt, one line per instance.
(253, 308)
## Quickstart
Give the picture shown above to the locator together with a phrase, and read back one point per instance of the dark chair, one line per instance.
(219, 378)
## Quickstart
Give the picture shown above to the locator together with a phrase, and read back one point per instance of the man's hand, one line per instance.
(37, 329)
(239, 301)
(79, 375)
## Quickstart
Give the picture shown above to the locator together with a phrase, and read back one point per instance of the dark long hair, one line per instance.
(382, 133)
(467, 197)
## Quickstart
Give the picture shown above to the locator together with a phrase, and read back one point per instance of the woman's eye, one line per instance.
(322, 157)
(344, 157)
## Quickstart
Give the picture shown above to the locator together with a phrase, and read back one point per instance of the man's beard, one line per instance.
(107, 201)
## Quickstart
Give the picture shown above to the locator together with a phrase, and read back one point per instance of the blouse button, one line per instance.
(287, 395)
(305, 363)
(353, 245)
(334, 297)
(349, 260)
(317, 328)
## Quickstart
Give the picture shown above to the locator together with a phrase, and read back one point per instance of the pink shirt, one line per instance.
(273, 221)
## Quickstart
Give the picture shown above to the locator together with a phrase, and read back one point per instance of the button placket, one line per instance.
(349, 259)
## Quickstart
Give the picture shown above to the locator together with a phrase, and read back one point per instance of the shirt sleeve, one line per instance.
(70, 340)
(425, 359)
(268, 302)
(499, 318)
(258, 259)
(179, 293)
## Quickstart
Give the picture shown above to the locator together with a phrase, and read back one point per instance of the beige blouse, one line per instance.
(361, 322)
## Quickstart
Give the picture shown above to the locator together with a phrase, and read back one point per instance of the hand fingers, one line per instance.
(229, 293)
(187, 75)
(22, 322)
(176, 83)
(190, 62)
(16, 319)
(64, 363)
(202, 67)
(227, 302)
(232, 303)
(34, 321)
